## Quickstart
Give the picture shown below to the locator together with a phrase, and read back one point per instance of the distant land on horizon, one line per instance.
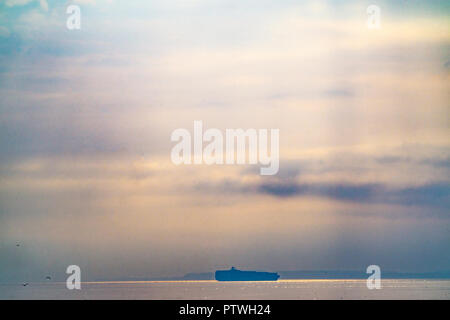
(308, 274)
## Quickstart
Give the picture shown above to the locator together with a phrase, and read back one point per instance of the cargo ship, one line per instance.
(238, 275)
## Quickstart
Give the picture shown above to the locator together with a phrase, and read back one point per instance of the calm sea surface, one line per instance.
(282, 289)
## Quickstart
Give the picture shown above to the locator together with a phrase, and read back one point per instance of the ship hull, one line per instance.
(237, 275)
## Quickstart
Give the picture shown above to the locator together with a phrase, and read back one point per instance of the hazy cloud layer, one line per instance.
(86, 118)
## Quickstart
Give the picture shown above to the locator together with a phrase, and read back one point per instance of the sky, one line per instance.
(86, 117)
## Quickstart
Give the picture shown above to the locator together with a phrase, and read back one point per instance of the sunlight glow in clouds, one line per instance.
(86, 118)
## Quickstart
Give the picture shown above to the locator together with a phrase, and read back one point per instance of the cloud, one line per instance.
(282, 190)
(447, 64)
(107, 98)
(436, 194)
(432, 195)
(429, 161)
(12, 3)
(4, 32)
(338, 191)
(87, 2)
(339, 92)
(44, 4)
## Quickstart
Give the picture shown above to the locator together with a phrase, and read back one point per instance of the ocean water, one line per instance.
(281, 289)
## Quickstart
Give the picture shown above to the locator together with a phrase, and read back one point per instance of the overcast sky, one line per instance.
(86, 117)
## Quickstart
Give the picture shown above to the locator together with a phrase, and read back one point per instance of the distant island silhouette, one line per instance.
(297, 274)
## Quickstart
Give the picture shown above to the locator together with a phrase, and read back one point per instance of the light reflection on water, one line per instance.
(210, 289)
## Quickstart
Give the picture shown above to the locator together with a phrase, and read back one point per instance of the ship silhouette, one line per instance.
(238, 275)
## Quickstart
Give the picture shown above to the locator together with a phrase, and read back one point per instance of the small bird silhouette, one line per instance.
(48, 278)
(25, 284)
(17, 245)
